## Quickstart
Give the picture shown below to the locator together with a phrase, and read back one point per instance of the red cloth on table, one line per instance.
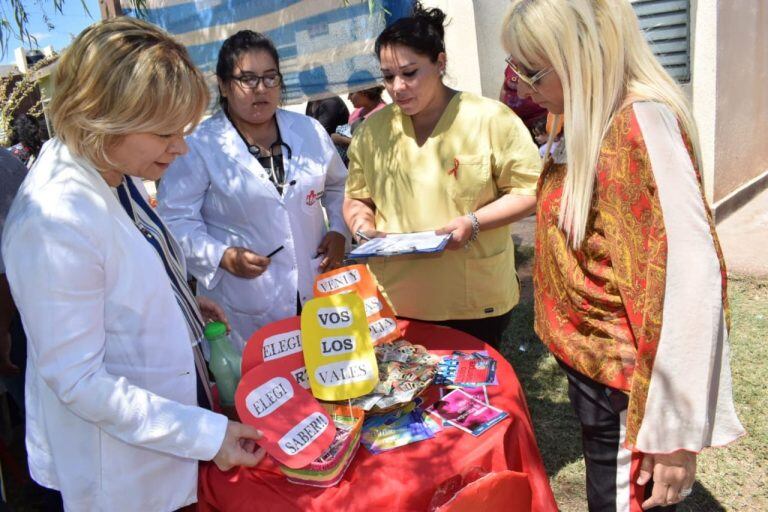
(403, 479)
(502, 490)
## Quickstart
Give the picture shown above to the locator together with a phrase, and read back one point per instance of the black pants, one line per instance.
(610, 467)
(489, 330)
(42, 498)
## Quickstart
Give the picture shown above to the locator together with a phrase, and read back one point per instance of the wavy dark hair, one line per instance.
(423, 32)
(236, 45)
(30, 132)
(374, 93)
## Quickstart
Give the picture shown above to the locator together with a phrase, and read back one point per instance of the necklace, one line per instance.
(275, 170)
(254, 149)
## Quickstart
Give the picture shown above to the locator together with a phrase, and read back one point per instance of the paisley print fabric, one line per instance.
(599, 309)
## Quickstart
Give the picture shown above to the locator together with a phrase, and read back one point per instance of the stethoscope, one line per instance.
(255, 151)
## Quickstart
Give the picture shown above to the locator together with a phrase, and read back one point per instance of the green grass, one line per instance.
(731, 478)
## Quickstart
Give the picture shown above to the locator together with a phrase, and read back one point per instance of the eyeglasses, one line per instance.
(530, 81)
(249, 81)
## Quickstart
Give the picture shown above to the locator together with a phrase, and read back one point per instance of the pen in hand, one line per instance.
(275, 252)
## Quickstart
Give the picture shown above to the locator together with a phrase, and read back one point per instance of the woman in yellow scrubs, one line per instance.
(446, 160)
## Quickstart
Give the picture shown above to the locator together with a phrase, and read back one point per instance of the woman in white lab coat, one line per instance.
(114, 370)
(254, 184)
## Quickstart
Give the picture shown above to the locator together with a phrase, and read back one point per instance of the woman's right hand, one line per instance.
(368, 233)
(239, 447)
(243, 262)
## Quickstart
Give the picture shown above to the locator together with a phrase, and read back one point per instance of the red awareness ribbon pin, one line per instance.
(455, 170)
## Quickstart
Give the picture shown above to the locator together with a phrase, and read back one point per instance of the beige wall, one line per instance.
(461, 44)
(741, 143)
(489, 16)
(703, 86)
(473, 43)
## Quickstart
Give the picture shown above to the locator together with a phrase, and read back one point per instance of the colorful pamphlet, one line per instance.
(466, 370)
(400, 428)
(479, 393)
(467, 413)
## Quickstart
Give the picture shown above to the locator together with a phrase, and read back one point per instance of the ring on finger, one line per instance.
(684, 493)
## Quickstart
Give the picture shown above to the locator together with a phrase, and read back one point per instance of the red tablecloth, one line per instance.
(403, 479)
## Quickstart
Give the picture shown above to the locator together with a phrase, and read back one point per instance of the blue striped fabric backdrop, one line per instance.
(325, 47)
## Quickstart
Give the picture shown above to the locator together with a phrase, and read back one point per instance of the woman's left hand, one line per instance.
(332, 247)
(212, 312)
(340, 139)
(460, 229)
(673, 476)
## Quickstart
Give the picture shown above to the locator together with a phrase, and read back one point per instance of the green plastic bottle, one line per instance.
(225, 362)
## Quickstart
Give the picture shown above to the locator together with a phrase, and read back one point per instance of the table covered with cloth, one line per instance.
(406, 478)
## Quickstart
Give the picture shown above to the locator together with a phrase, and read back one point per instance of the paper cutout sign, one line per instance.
(296, 428)
(337, 347)
(281, 339)
(381, 318)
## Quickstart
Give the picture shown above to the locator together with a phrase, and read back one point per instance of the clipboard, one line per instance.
(398, 244)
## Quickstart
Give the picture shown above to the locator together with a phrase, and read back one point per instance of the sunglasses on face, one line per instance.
(249, 81)
(530, 81)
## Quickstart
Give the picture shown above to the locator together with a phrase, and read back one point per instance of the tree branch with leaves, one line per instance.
(14, 92)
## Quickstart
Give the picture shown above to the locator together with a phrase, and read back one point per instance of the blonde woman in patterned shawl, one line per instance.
(629, 277)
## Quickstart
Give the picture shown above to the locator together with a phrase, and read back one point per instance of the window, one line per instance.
(666, 24)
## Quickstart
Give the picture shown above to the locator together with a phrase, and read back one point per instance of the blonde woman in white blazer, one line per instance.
(256, 180)
(112, 380)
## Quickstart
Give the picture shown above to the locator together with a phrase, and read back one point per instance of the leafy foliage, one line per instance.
(13, 93)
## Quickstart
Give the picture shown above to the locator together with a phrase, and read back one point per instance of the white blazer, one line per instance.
(110, 384)
(218, 196)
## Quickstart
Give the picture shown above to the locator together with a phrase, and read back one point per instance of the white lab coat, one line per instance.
(110, 382)
(219, 196)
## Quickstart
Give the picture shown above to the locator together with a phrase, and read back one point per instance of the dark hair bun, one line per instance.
(423, 32)
(432, 16)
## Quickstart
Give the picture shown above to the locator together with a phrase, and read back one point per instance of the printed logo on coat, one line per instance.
(313, 197)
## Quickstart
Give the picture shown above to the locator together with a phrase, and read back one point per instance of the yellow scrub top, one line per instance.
(478, 151)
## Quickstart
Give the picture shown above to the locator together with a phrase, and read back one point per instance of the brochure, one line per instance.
(394, 433)
(461, 410)
(479, 393)
(467, 370)
(393, 430)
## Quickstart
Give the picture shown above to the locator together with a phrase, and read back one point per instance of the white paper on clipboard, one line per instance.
(423, 242)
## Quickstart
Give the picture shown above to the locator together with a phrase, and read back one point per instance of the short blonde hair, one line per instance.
(603, 62)
(123, 76)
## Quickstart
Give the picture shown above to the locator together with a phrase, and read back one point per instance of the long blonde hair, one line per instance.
(123, 76)
(603, 61)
